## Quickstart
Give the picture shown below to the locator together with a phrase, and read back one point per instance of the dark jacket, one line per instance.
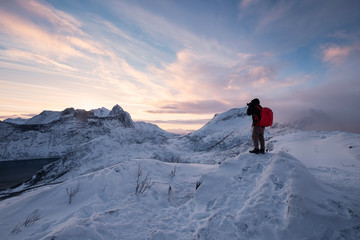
(254, 110)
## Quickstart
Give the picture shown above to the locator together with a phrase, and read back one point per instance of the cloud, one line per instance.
(137, 55)
(285, 26)
(196, 74)
(337, 97)
(167, 60)
(246, 3)
(61, 21)
(335, 54)
(46, 38)
(182, 122)
(30, 36)
(197, 107)
(34, 57)
(42, 29)
(24, 116)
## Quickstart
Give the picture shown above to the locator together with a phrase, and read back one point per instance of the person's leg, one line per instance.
(255, 136)
(262, 140)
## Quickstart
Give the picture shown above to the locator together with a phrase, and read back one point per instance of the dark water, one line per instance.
(15, 172)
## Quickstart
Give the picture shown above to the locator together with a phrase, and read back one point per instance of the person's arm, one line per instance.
(250, 110)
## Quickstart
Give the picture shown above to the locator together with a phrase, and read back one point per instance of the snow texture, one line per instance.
(204, 185)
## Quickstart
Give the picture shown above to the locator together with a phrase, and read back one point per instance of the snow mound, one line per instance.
(323, 149)
(272, 197)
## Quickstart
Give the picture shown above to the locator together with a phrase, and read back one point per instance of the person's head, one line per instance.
(255, 101)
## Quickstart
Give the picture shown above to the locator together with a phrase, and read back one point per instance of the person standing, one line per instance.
(254, 110)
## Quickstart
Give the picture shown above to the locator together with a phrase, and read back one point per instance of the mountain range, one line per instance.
(53, 134)
(120, 179)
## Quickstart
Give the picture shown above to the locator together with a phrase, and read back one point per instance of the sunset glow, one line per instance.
(177, 63)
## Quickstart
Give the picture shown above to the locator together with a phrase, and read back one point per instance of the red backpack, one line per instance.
(266, 117)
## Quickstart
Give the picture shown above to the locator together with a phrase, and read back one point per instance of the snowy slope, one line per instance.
(198, 186)
(225, 130)
(248, 197)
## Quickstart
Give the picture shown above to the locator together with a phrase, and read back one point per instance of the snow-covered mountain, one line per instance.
(136, 181)
(101, 112)
(49, 116)
(18, 120)
(54, 134)
(44, 117)
(225, 131)
(310, 120)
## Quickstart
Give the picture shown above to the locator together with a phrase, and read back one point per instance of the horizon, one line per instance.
(178, 63)
(313, 123)
(201, 122)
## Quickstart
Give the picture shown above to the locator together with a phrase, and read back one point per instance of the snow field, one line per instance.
(270, 196)
(322, 149)
(108, 195)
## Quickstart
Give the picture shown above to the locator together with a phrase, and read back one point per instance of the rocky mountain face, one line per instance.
(54, 134)
(118, 113)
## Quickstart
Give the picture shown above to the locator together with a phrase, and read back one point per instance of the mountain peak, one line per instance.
(124, 117)
(116, 111)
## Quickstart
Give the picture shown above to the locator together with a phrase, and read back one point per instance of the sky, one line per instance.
(176, 63)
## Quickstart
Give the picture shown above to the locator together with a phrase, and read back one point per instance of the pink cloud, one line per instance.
(337, 54)
(59, 35)
(27, 34)
(58, 18)
(33, 57)
(196, 107)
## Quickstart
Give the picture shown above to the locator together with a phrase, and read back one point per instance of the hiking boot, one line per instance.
(262, 151)
(256, 151)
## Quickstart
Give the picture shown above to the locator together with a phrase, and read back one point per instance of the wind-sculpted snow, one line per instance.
(271, 196)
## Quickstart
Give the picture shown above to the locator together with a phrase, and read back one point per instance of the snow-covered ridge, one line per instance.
(226, 130)
(54, 134)
(47, 116)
